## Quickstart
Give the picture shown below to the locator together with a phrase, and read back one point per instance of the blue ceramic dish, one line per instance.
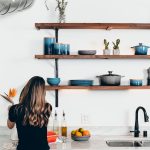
(48, 45)
(81, 82)
(53, 81)
(135, 82)
(65, 49)
(141, 49)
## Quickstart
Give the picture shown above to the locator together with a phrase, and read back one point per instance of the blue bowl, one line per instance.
(135, 82)
(53, 81)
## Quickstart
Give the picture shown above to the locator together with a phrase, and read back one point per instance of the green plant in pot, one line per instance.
(106, 51)
(61, 6)
(116, 50)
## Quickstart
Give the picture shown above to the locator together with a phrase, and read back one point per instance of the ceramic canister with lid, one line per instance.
(48, 45)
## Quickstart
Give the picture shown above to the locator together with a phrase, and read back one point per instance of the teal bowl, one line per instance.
(53, 81)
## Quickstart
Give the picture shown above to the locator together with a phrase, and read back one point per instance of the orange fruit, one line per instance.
(86, 133)
(52, 138)
(78, 134)
(50, 133)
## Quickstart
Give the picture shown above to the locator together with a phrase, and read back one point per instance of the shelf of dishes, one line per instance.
(96, 87)
(51, 47)
(107, 81)
(92, 56)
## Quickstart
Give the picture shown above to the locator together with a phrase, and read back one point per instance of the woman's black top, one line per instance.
(30, 137)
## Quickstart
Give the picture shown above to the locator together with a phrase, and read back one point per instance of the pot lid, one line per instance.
(140, 45)
(110, 74)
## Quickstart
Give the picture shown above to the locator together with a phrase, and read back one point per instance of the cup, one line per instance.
(65, 49)
(56, 50)
(48, 45)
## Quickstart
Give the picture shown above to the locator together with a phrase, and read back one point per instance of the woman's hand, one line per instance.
(10, 124)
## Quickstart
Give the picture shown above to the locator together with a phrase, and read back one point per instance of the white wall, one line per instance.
(20, 41)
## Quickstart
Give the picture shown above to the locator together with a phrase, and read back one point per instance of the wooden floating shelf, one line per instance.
(107, 26)
(92, 56)
(96, 87)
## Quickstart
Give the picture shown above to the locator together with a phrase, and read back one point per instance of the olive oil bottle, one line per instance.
(56, 124)
(64, 126)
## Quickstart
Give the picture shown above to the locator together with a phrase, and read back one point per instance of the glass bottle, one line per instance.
(56, 124)
(50, 123)
(64, 126)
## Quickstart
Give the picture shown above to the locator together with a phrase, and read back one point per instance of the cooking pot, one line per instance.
(141, 49)
(109, 79)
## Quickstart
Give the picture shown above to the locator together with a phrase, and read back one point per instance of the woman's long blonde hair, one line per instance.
(32, 97)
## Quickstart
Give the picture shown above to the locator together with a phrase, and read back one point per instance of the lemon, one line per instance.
(73, 132)
(79, 134)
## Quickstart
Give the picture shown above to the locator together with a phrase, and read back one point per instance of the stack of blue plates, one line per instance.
(81, 82)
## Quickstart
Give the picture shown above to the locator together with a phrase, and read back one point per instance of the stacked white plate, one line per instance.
(9, 6)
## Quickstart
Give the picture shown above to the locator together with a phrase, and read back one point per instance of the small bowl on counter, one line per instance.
(53, 81)
(136, 82)
(81, 138)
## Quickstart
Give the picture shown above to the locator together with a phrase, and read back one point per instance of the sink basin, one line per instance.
(126, 143)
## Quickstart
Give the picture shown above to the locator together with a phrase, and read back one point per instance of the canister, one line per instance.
(48, 45)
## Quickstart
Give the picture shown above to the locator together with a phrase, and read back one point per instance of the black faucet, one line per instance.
(146, 119)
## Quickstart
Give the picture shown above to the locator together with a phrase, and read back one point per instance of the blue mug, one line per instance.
(56, 50)
(48, 45)
(136, 82)
(65, 49)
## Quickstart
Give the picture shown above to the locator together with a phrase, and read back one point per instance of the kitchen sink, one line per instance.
(126, 143)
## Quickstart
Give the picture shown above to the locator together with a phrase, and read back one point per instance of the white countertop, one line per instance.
(98, 143)
(95, 143)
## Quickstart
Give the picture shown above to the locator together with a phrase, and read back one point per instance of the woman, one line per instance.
(31, 116)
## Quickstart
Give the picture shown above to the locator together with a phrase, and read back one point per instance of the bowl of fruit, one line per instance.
(80, 135)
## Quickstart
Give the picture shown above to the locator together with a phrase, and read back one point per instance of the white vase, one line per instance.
(116, 51)
(106, 52)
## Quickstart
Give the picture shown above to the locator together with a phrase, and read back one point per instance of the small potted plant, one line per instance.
(116, 50)
(106, 51)
(61, 8)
